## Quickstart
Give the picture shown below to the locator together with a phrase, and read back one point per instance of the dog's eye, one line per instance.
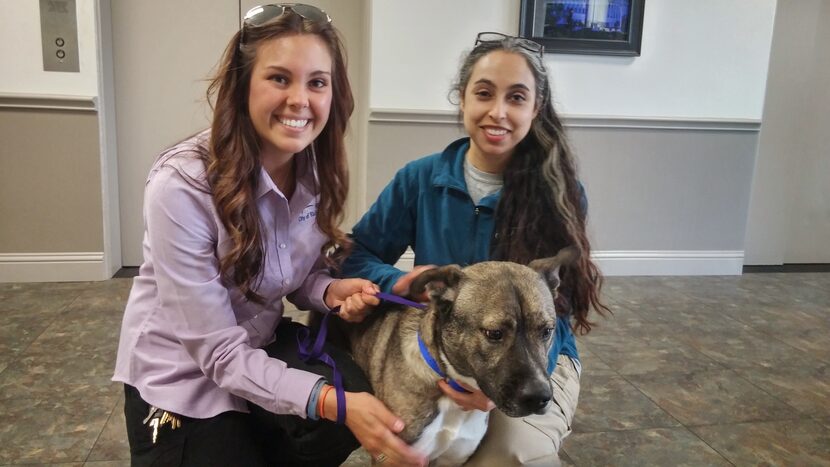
(494, 334)
(546, 333)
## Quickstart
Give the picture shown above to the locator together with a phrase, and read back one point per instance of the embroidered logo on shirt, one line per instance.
(309, 212)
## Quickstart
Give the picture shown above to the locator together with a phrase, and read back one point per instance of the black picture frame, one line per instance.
(563, 26)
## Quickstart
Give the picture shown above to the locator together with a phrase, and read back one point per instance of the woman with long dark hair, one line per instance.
(237, 218)
(509, 191)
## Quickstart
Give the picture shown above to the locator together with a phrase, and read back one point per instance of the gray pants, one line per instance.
(533, 440)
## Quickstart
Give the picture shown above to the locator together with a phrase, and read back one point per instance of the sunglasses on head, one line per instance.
(495, 37)
(264, 14)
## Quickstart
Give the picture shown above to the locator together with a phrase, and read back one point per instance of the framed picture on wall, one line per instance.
(597, 27)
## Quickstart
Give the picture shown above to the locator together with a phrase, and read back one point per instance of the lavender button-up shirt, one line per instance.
(192, 344)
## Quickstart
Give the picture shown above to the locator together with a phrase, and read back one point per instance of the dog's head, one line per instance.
(495, 323)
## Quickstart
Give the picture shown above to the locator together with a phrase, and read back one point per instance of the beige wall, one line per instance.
(789, 220)
(50, 182)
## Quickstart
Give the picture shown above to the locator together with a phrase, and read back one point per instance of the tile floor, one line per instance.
(689, 371)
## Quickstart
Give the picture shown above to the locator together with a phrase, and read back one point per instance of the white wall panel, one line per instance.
(22, 56)
(700, 59)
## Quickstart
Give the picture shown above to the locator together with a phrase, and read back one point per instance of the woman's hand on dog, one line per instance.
(355, 297)
(474, 400)
(376, 428)
(401, 287)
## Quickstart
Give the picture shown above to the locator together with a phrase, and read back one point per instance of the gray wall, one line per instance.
(670, 189)
(666, 189)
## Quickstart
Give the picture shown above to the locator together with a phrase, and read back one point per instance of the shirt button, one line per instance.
(282, 245)
(285, 282)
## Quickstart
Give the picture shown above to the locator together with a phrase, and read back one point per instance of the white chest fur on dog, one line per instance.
(453, 435)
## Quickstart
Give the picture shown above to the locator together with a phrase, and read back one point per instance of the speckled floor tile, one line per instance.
(711, 397)
(112, 443)
(623, 321)
(58, 464)
(805, 388)
(676, 321)
(611, 403)
(776, 320)
(727, 290)
(40, 299)
(815, 342)
(82, 375)
(794, 287)
(630, 355)
(635, 291)
(824, 421)
(17, 332)
(51, 431)
(121, 463)
(74, 334)
(99, 301)
(791, 442)
(591, 364)
(676, 447)
(748, 350)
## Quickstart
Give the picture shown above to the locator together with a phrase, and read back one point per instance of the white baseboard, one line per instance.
(52, 267)
(670, 263)
(71, 267)
(651, 263)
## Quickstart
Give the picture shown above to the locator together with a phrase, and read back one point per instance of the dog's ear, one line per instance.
(549, 267)
(440, 283)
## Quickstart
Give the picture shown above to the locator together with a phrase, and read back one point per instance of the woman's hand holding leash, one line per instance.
(355, 297)
(376, 428)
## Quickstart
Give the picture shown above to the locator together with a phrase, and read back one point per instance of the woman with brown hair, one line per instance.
(509, 192)
(237, 218)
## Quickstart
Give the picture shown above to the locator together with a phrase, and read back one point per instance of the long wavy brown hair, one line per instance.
(540, 210)
(232, 159)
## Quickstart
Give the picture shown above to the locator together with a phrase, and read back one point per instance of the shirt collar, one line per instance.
(450, 171)
(306, 177)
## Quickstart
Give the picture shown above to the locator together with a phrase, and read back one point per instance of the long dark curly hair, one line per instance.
(540, 210)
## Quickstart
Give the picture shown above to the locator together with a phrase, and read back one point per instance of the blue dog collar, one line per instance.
(434, 365)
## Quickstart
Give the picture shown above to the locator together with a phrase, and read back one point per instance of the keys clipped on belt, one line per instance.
(157, 418)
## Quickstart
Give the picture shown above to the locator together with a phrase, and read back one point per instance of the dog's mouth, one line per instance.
(527, 400)
(511, 409)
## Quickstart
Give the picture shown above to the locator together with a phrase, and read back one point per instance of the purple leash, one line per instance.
(309, 351)
(316, 353)
(399, 300)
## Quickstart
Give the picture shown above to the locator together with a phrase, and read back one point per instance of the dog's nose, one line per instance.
(535, 402)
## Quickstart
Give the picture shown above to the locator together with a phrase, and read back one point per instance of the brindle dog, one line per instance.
(489, 325)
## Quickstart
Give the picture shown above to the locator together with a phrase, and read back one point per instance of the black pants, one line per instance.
(260, 438)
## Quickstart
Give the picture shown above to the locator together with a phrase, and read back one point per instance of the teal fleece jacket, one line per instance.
(427, 207)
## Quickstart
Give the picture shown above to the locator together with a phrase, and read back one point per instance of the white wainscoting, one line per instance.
(669, 263)
(650, 263)
(449, 117)
(52, 267)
